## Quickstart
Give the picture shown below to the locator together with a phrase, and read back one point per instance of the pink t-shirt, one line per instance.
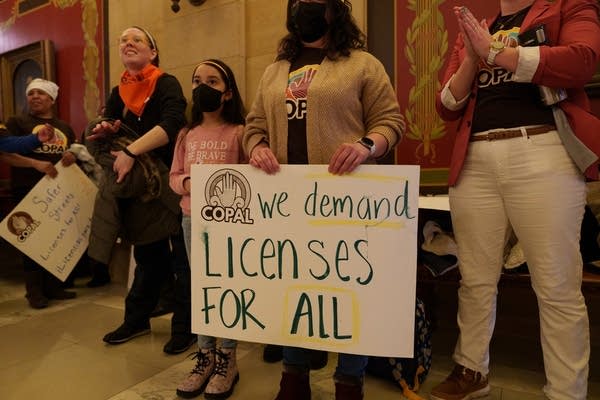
(200, 145)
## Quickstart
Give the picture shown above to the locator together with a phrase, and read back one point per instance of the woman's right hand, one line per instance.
(45, 167)
(471, 55)
(104, 129)
(262, 157)
(475, 33)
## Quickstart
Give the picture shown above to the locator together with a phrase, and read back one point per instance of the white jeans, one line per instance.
(531, 185)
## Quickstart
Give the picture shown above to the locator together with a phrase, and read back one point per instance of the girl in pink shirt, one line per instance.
(213, 137)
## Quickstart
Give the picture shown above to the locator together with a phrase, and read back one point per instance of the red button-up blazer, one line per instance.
(568, 62)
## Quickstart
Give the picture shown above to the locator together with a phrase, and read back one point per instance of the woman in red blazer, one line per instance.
(524, 142)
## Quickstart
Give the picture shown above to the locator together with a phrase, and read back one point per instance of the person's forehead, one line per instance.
(36, 90)
(134, 32)
(207, 70)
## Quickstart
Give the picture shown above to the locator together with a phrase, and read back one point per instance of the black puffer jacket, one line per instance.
(141, 209)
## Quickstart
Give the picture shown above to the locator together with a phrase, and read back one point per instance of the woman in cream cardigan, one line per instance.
(325, 100)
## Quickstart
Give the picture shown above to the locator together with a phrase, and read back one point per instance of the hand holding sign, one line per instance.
(52, 223)
(306, 258)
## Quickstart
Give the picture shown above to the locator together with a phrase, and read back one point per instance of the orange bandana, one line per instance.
(135, 90)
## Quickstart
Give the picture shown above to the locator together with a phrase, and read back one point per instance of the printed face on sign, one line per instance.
(21, 224)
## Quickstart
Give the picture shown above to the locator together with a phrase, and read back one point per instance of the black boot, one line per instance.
(348, 387)
(180, 342)
(54, 289)
(70, 281)
(34, 281)
(294, 385)
(100, 274)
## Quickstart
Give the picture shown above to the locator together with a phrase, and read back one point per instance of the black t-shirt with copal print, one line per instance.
(23, 179)
(302, 72)
(502, 103)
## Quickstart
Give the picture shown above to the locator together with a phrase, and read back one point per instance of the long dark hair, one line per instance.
(343, 36)
(233, 111)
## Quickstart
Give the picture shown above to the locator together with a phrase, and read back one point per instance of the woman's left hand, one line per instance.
(122, 164)
(347, 157)
(477, 32)
(68, 158)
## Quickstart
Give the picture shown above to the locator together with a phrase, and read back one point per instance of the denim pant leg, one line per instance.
(186, 227)
(296, 357)
(228, 343)
(204, 341)
(351, 365)
(152, 268)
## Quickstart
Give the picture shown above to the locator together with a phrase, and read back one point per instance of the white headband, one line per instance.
(217, 66)
(49, 87)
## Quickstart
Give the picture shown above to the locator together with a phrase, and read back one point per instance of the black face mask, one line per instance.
(206, 99)
(310, 21)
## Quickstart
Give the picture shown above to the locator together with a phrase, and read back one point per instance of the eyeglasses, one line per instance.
(136, 39)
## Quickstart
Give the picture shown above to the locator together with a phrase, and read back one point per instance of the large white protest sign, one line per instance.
(51, 224)
(306, 258)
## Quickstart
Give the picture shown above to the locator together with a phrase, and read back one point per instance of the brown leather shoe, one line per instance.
(462, 384)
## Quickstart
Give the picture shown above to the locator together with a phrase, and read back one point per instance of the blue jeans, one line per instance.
(348, 364)
(204, 341)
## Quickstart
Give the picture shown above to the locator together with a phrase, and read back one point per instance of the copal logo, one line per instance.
(227, 194)
(22, 225)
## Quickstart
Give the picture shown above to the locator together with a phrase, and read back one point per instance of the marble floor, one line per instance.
(57, 353)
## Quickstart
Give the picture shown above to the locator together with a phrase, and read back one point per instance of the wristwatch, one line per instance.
(368, 143)
(496, 47)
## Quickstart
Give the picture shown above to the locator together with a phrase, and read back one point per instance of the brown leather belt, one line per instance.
(513, 133)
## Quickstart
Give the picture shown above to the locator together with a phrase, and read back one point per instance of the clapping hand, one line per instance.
(475, 33)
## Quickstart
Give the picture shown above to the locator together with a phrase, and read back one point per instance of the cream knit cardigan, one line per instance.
(348, 98)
